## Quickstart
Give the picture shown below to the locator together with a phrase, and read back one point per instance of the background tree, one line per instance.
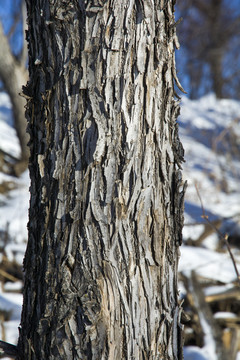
(13, 73)
(209, 34)
(106, 207)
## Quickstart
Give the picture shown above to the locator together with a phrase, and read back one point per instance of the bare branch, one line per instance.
(24, 53)
(13, 76)
(7, 349)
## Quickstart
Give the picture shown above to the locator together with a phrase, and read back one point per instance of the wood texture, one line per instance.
(106, 207)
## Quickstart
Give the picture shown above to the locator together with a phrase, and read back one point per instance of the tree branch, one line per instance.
(13, 76)
(24, 53)
(7, 349)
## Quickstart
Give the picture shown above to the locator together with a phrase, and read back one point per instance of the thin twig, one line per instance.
(8, 276)
(223, 237)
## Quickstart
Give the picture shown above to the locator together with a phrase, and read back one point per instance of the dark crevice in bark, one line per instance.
(139, 11)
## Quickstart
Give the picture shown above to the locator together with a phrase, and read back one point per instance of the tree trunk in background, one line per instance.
(217, 47)
(215, 62)
(13, 75)
(106, 207)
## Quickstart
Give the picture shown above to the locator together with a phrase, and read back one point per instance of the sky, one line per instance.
(11, 8)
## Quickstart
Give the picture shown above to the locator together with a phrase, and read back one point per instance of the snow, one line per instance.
(9, 141)
(216, 176)
(195, 353)
(207, 263)
(210, 346)
(14, 212)
(12, 303)
(224, 314)
(213, 290)
(207, 127)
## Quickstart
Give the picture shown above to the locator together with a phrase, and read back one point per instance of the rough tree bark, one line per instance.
(106, 208)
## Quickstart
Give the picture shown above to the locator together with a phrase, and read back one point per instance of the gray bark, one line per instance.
(106, 207)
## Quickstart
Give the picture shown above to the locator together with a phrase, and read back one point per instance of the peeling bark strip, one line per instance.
(106, 209)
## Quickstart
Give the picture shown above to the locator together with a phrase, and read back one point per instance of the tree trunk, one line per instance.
(217, 46)
(215, 62)
(106, 207)
(14, 75)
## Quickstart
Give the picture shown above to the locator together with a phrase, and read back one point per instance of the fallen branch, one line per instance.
(206, 327)
(7, 349)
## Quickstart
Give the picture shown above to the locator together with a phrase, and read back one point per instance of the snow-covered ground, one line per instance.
(210, 133)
